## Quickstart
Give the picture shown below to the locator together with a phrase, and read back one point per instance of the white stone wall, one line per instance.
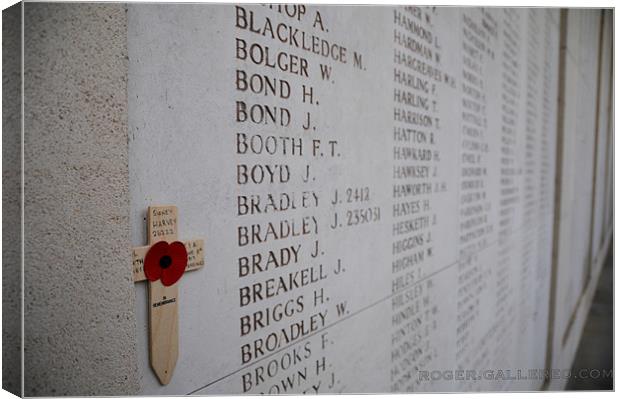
(586, 129)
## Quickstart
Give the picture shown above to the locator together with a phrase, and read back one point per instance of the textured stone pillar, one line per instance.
(79, 294)
(11, 200)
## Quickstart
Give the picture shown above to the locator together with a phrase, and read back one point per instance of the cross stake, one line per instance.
(163, 299)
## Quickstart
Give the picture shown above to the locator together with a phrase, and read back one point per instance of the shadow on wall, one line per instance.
(593, 364)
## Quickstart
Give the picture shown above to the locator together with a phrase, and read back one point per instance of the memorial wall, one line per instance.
(583, 207)
(375, 186)
(392, 199)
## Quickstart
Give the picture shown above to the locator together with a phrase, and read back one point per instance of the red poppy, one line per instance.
(165, 261)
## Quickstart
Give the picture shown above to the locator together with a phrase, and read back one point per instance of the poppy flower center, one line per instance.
(165, 261)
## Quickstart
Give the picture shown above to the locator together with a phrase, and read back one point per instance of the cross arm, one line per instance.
(195, 258)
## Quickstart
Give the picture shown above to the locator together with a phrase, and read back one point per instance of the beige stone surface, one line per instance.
(79, 292)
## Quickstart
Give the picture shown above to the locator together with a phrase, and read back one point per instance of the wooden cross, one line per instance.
(162, 224)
